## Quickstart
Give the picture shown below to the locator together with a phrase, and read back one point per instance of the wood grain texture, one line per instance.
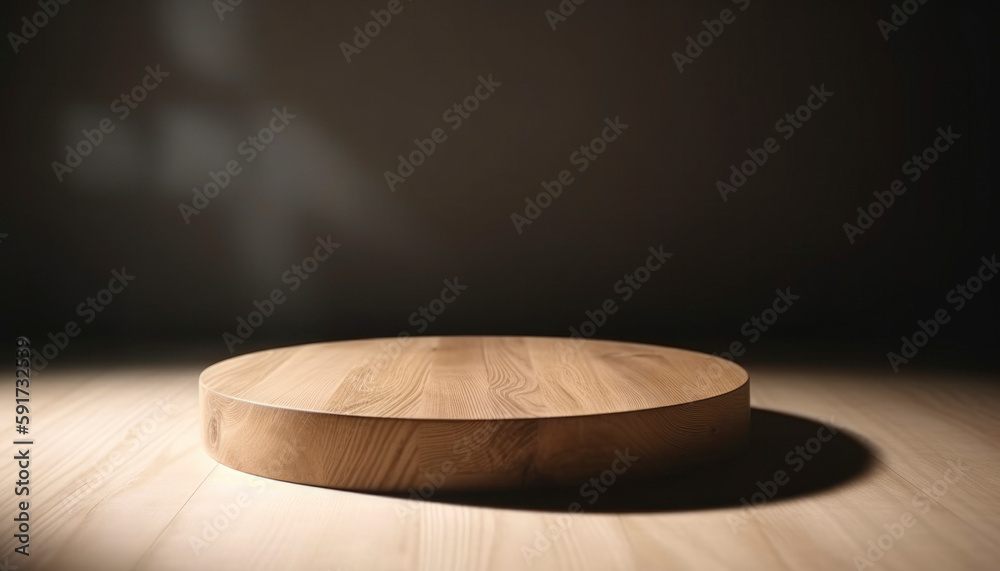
(163, 503)
(469, 413)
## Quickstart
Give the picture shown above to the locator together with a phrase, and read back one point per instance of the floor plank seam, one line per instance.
(958, 517)
(179, 510)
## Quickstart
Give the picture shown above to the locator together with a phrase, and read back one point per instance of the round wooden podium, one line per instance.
(470, 413)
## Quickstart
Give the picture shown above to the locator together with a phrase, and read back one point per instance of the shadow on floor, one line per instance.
(779, 442)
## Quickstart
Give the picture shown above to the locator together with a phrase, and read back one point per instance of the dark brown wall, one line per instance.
(654, 186)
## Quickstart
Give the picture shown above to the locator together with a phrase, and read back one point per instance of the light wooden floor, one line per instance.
(119, 481)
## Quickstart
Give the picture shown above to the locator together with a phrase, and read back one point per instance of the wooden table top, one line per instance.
(473, 377)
